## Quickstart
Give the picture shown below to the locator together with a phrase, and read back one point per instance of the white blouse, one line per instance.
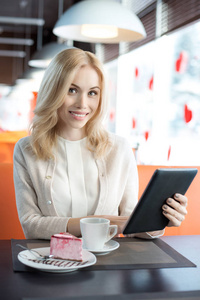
(75, 186)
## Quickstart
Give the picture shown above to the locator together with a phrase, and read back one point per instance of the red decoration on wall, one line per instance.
(187, 114)
(133, 123)
(112, 115)
(169, 152)
(146, 135)
(151, 83)
(136, 72)
(181, 62)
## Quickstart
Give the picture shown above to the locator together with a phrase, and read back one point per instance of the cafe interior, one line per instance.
(150, 50)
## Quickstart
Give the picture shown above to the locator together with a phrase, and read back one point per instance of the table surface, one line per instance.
(19, 285)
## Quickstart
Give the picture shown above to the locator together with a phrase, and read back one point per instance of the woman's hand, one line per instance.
(175, 210)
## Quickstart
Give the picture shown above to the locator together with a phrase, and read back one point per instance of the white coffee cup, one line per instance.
(96, 232)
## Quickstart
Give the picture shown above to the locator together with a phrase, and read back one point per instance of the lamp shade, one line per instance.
(42, 58)
(99, 21)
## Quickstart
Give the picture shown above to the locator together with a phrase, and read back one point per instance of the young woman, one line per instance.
(70, 167)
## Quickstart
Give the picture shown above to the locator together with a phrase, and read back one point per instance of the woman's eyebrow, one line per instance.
(75, 85)
(94, 87)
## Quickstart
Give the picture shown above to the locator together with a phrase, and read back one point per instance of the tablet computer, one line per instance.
(147, 215)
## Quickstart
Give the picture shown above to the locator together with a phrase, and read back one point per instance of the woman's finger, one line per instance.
(175, 205)
(181, 199)
(174, 220)
(175, 213)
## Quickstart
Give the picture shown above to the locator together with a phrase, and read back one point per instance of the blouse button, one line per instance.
(49, 202)
(48, 177)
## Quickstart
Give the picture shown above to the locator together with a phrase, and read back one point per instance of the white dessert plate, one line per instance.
(108, 247)
(55, 265)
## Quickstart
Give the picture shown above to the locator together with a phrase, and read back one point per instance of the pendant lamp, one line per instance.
(99, 21)
(42, 58)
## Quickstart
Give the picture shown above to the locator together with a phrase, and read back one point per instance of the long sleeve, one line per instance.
(36, 211)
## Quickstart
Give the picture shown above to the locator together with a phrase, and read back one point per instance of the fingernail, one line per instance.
(169, 200)
(176, 196)
(164, 206)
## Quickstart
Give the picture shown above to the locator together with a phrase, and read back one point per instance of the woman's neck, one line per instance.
(73, 135)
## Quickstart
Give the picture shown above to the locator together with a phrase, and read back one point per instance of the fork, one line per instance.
(35, 253)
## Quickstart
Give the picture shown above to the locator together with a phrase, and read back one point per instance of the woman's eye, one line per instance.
(72, 90)
(93, 93)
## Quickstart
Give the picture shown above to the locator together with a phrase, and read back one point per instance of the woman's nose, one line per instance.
(81, 101)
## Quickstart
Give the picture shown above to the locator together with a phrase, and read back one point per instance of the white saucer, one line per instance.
(108, 247)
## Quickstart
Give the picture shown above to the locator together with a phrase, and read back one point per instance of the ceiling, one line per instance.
(12, 67)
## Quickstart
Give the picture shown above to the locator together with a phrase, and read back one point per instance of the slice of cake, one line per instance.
(66, 246)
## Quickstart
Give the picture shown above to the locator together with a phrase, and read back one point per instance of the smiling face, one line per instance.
(80, 104)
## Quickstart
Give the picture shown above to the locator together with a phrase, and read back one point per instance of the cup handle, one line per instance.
(112, 232)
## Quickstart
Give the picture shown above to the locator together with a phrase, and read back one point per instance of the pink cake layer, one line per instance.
(66, 246)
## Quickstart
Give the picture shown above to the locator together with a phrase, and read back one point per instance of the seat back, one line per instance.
(10, 226)
(6, 152)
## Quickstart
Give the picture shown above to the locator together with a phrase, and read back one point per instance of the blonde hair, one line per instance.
(57, 80)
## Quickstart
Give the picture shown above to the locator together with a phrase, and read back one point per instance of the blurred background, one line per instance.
(154, 82)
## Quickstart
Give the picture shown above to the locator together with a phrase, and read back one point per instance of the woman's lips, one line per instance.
(78, 115)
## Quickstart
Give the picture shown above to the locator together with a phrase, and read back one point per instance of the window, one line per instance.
(158, 98)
